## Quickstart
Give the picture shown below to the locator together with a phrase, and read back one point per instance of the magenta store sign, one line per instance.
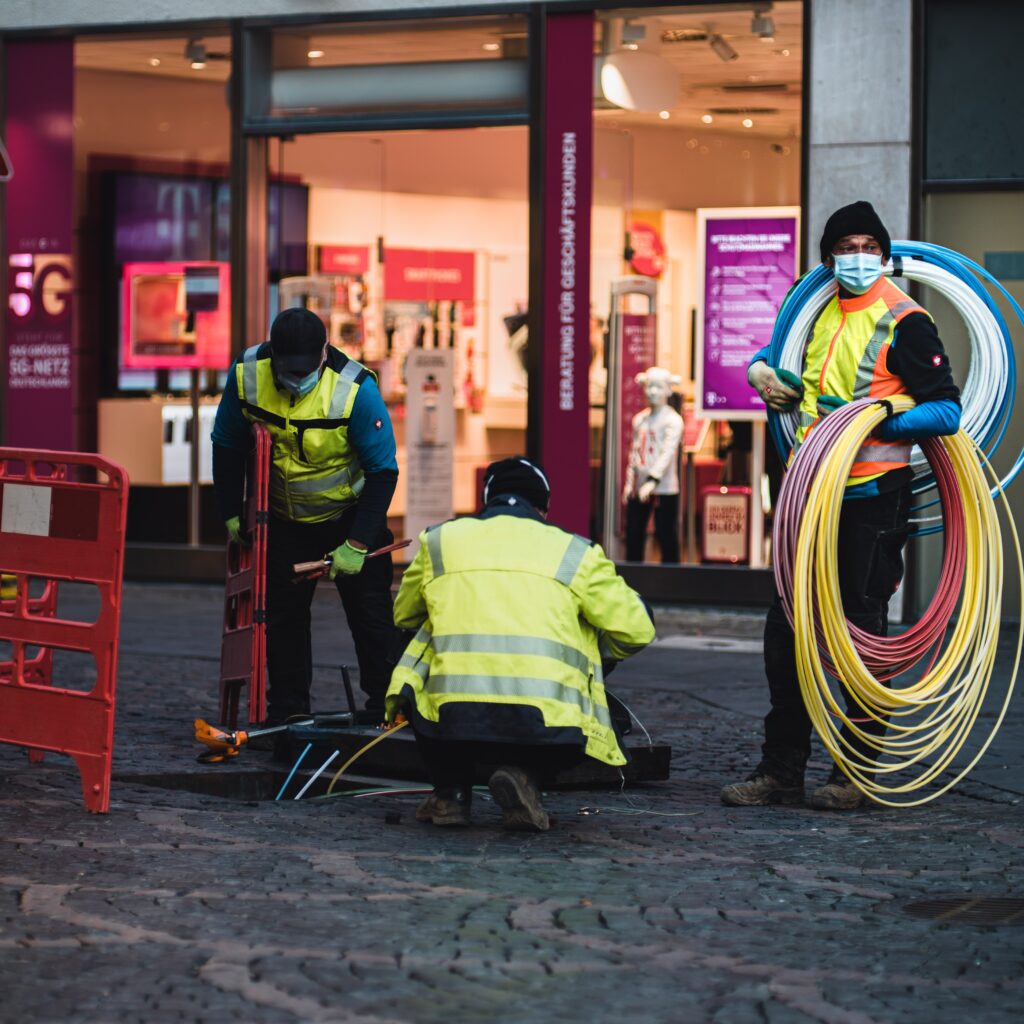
(749, 265)
(568, 149)
(39, 220)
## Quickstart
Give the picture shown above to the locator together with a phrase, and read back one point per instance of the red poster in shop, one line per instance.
(344, 259)
(431, 275)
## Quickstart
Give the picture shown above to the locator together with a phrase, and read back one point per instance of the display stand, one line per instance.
(623, 361)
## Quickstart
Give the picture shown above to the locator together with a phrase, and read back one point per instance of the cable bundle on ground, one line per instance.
(929, 719)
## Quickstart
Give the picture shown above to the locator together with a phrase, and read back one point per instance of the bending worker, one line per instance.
(870, 340)
(332, 475)
(514, 619)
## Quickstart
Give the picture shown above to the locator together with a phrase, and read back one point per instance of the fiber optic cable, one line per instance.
(930, 719)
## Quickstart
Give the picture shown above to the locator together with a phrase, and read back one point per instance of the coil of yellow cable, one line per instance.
(929, 720)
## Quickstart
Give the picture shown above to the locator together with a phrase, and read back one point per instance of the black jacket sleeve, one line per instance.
(371, 517)
(228, 480)
(918, 358)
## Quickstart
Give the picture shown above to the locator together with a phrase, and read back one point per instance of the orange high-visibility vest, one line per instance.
(846, 356)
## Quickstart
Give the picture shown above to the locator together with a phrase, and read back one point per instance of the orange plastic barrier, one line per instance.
(243, 652)
(62, 517)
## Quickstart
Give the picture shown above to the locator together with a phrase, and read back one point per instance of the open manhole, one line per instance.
(236, 785)
(980, 910)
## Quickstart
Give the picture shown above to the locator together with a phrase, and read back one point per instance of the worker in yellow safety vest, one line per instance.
(514, 619)
(333, 473)
(870, 341)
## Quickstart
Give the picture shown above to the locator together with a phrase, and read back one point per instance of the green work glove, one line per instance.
(234, 527)
(347, 560)
(780, 389)
(829, 403)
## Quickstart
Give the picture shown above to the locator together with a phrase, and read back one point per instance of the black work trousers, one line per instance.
(666, 526)
(453, 764)
(366, 598)
(872, 533)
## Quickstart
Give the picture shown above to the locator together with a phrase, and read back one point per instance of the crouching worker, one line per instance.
(514, 618)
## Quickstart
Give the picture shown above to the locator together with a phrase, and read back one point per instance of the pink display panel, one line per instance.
(176, 316)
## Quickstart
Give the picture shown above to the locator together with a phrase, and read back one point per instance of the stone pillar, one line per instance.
(859, 112)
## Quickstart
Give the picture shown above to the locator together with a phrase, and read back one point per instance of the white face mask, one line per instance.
(857, 271)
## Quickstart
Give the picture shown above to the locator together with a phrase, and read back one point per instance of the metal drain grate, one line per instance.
(981, 910)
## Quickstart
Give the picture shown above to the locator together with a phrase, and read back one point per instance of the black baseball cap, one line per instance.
(297, 340)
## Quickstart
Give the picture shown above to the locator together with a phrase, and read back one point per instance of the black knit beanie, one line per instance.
(297, 339)
(517, 476)
(858, 218)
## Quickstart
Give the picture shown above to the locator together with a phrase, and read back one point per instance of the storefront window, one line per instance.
(695, 115)
(152, 155)
(418, 266)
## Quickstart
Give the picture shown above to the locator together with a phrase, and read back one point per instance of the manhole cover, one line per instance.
(983, 910)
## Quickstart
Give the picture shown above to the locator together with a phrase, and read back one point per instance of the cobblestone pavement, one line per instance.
(663, 907)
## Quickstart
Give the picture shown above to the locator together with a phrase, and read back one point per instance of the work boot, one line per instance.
(519, 800)
(838, 794)
(446, 806)
(760, 790)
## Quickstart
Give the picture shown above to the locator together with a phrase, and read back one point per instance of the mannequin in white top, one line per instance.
(652, 474)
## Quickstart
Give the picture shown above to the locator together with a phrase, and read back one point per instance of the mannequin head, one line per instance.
(657, 384)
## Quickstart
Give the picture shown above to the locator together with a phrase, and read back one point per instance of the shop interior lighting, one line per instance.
(315, 54)
(747, 123)
(721, 47)
(664, 115)
(154, 62)
(762, 24)
(707, 118)
(492, 47)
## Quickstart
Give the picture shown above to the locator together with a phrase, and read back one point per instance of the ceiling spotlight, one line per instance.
(747, 123)
(198, 65)
(154, 62)
(314, 54)
(721, 47)
(707, 118)
(664, 115)
(492, 47)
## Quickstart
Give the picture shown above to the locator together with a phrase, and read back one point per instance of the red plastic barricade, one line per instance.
(243, 652)
(57, 523)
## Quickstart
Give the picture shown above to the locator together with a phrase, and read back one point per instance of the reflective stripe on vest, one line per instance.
(518, 686)
(574, 554)
(434, 550)
(541, 647)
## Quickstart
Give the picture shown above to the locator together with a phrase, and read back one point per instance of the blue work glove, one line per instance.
(235, 532)
(829, 403)
(347, 560)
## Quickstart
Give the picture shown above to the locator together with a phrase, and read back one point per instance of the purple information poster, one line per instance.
(39, 222)
(568, 134)
(749, 261)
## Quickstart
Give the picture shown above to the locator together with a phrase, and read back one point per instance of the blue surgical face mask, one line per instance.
(858, 271)
(299, 386)
(303, 386)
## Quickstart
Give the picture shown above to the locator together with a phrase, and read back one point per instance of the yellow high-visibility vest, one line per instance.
(315, 473)
(513, 611)
(846, 356)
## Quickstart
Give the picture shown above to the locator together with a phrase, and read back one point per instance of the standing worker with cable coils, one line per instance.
(332, 476)
(870, 341)
(515, 618)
